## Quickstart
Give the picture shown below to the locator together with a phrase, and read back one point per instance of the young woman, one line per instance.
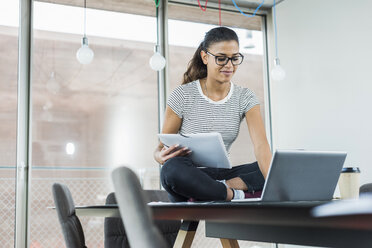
(207, 101)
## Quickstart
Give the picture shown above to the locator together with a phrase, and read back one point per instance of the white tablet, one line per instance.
(208, 149)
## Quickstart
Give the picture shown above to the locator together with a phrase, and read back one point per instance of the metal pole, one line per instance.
(162, 42)
(267, 89)
(23, 124)
(162, 34)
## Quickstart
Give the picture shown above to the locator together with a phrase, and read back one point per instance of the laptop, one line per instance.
(301, 175)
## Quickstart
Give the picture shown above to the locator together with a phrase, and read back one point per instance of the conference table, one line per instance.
(274, 222)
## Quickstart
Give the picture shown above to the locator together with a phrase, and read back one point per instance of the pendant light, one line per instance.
(277, 73)
(85, 55)
(157, 61)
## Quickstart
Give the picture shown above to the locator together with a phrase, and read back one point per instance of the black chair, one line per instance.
(115, 235)
(365, 188)
(136, 215)
(71, 227)
(114, 230)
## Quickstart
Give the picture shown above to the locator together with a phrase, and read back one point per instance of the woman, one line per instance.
(208, 102)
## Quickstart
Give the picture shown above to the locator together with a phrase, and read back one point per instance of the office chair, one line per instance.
(134, 211)
(365, 188)
(114, 230)
(71, 227)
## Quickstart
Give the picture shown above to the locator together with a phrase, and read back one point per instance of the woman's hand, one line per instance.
(172, 124)
(171, 152)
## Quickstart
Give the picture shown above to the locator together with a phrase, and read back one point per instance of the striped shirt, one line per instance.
(200, 114)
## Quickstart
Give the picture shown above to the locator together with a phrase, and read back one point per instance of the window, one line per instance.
(8, 117)
(88, 119)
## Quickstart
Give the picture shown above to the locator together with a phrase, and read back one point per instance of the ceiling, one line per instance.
(241, 3)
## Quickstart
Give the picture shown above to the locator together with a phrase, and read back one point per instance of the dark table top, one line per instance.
(262, 213)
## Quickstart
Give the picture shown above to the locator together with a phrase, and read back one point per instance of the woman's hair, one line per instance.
(196, 69)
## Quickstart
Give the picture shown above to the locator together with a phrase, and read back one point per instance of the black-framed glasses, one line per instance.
(223, 60)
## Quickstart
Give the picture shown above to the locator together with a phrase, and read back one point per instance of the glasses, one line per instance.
(223, 60)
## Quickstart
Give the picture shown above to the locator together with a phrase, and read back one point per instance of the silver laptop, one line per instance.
(301, 175)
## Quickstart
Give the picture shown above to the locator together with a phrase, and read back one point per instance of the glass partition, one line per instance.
(88, 119)
(9, 23)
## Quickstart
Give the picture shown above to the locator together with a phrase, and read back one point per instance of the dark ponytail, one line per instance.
(196, 69)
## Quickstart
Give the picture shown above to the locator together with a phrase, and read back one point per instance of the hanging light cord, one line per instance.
(157, 27)
(254, 13)
(275, 30)
(219, 10)
(205, 6)
(85, 17)
(219, 7)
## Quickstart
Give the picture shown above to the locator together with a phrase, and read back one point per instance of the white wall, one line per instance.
(325, 101)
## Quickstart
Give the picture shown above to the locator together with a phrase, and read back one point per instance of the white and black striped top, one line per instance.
(200, 114)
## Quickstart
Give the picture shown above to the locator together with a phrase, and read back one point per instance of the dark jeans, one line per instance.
(183, 180)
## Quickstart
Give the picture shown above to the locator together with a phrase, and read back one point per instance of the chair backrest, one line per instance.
(114, 231)
(70, 223)
(365, 188)
(136, 215)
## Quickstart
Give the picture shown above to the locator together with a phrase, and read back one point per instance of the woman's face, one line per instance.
(221, 73)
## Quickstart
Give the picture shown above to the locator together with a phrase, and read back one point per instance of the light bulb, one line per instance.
(277, 73)
(84, 55)
(157, 62)
(52, 85)
(70, 148)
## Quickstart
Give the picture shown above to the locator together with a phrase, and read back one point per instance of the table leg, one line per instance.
(229, 243)
(186, 234)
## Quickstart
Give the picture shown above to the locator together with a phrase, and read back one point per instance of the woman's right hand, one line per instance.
(172, 124)
(171, 152)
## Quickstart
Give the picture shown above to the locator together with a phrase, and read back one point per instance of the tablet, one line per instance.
(208, 149)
